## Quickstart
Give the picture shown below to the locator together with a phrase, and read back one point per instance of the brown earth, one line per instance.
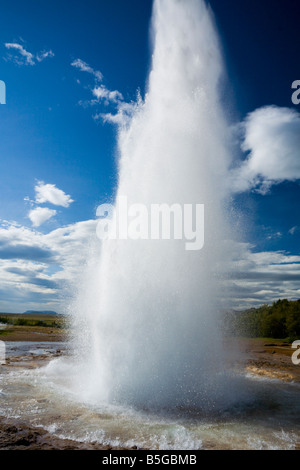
(54, 329)
(269, 358)
(32, 333)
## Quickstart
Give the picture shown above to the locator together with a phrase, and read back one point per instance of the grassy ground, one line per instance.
(265, 345)
(32, 327)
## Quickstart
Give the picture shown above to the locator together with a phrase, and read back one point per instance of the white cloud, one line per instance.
(117, 118)
(39, 215)
(28, 58)
(43, 55)
(122, 111)
(274, 236)
(293, 230)
(102, 93)
(123, 115)
(50, 193)
(84, 67)
(40, 271)
(271, 135)
(25, 57)
(261, 277)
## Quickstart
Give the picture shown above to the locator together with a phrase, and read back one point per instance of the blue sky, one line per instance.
(65, 64)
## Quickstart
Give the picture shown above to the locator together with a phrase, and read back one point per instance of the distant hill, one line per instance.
(42, 312)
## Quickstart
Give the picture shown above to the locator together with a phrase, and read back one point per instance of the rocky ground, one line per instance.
(269, 358)
(18, 436)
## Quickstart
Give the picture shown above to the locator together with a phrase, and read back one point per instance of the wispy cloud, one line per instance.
(293, 230)
(122, 115)
(26, 57)
(39, 215)
(22, 56)
(274, 236)
(120, 111)
(84, 67)
(43, 55)
(51, 194)
(102, 93)
(271, 139)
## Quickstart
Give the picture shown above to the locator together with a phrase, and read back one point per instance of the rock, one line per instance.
(20, 436)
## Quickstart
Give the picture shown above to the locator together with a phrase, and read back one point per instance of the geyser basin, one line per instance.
(45, 398)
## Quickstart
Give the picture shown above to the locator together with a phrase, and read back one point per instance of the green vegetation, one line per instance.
(5, 332)
(279, 320)
(17, 320)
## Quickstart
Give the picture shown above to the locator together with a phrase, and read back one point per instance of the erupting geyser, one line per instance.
(148, 315)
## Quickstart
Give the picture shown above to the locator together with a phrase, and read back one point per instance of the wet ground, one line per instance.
(38, 410)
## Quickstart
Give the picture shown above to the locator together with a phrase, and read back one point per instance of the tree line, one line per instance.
(279, 320)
